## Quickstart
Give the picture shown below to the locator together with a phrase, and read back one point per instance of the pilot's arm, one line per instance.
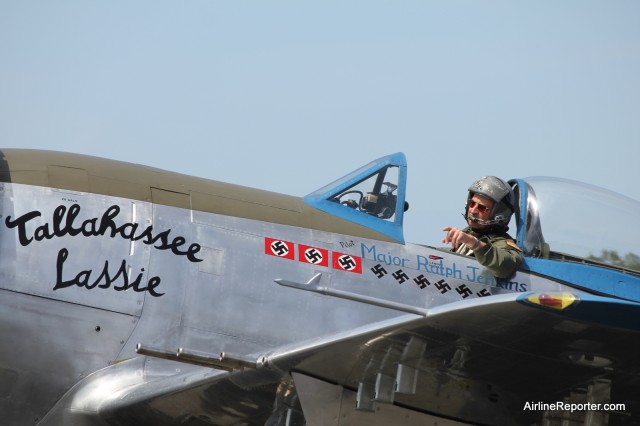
(502, 257)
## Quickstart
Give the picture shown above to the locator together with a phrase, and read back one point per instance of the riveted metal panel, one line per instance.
(48, 346)
(71, 178)
(53, 246)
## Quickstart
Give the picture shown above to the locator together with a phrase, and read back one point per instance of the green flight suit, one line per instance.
(500, 255)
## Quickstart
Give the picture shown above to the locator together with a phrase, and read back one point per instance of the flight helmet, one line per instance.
(500, 192)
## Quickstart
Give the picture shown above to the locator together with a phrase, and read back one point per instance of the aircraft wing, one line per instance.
(487, 361)
(492, 361)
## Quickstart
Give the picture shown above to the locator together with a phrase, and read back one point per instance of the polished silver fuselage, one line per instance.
(89, 272)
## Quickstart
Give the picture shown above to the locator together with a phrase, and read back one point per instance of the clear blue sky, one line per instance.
(289, 95)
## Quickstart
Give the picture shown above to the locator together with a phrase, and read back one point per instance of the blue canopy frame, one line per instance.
(322, 199)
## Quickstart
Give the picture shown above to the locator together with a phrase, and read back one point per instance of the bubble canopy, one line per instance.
(565, 219)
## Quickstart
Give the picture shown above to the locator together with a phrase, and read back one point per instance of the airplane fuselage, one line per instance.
(98, 257)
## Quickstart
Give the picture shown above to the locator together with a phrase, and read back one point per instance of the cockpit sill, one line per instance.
(563, 257)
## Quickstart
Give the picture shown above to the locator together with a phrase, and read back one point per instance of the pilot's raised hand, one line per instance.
(456, 237)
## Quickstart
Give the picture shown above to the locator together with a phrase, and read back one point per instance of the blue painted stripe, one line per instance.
(589, 277)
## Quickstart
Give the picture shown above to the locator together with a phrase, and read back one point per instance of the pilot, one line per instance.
(487, 212)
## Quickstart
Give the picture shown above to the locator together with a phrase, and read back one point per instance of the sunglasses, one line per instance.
(481, 207)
